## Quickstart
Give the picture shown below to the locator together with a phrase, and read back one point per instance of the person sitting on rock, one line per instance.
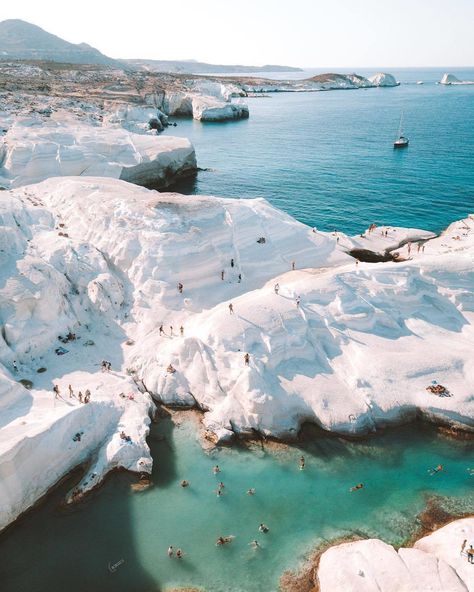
(171, 369)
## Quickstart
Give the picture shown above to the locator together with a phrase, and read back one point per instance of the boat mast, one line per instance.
(400, 127)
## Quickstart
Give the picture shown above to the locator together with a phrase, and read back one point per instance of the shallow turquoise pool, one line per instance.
(53, 548)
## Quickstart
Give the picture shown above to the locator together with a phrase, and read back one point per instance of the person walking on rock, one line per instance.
(231, 308)
(56, 391)
(71, 392)
(247, 359)
(293, 263)
(232, 263)
(298, 300)
(161, 330)
(87, 396)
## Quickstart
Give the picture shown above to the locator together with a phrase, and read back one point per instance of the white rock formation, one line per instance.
(137, 119)
(206, 100)
(36, 150)
(50, 285)
(103, 258)
(209, 109)
(434, 564)
(383, 79)
(449, 79)
(313, 362)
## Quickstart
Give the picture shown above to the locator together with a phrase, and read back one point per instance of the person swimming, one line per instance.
(263, 528)
(438, 469)
(251, 491)
(184, 483)
(255, 545)
(179, 554)
(216, 470)
(356, 487)
(224, 540)
(170, 551)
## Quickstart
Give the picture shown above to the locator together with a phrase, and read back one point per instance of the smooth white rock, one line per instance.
(39, 150)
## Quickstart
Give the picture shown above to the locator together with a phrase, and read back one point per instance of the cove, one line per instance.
(55, 548)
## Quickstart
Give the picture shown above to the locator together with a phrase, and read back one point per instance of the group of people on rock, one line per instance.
(106, 366)
(162, 330)
(469, 552)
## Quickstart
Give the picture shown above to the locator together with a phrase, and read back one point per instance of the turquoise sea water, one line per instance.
(327, 158)
(54, 549)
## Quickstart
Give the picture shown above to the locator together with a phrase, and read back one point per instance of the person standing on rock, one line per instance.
(181, 330)
(161, 330)
(87, 396)
(180, 287)
(277, 288)
(232, 263)
(247, 359)
(171, 330)
(56, 391)
(470, 554)
(71, 392)
(80, 397)
(231, 308)
(463, 546)
(302, 463)
(239, 278)
(15, 367)
(298, 300)
(293, 263)
(222, 275)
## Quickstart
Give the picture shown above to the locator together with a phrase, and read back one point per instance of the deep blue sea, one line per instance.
(327, 158)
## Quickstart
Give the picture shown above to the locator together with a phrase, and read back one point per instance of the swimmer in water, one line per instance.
(438, 469)
(263, 528)
(255, 545)
(251, 491)
(170, 551)
(216, 470)
(179, 554)
(184, 483)
(224, 540)
(356, 487)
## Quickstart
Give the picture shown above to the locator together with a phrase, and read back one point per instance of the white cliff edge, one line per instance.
(435, 563)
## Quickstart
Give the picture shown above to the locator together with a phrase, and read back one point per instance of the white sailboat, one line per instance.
(402, 141)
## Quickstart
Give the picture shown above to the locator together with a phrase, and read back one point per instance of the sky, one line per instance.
(305, 33)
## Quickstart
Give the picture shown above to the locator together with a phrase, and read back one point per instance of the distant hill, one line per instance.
(20, 40)
(194, 67)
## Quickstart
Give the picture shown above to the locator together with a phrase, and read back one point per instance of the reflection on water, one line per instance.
(53, 549)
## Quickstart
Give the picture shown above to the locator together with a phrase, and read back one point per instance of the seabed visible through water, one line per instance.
(117, 539)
